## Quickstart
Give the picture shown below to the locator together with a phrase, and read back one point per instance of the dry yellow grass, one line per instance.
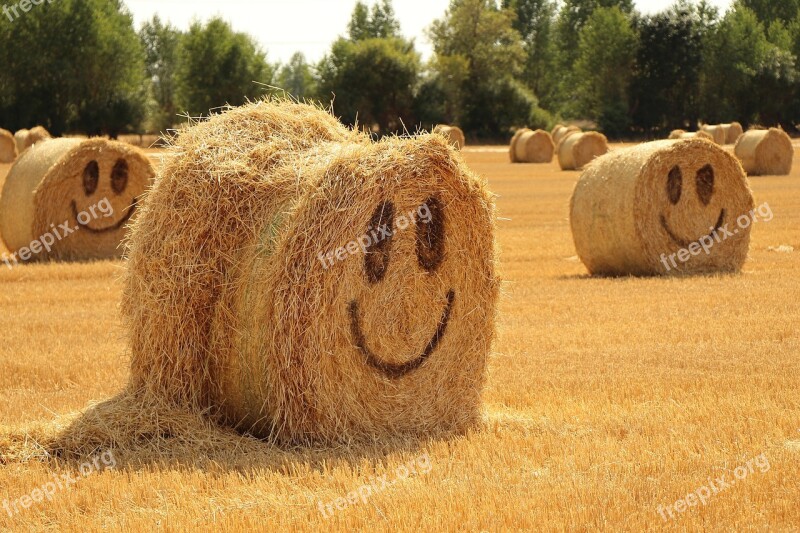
(606, 398)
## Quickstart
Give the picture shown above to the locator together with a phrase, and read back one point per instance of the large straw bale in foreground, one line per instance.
(578, 149)
(234, 305)
(80, 193)
(532, 147)
(732, 132)
(717, 133)
(765, 152)
(634, 208)
(453, 134)
(8, 148)
(562, 131)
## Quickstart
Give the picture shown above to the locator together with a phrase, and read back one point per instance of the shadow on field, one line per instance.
(143, 434)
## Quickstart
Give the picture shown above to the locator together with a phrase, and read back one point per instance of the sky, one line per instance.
(283, 27)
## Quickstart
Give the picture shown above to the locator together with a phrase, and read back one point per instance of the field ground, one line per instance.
(606, 399)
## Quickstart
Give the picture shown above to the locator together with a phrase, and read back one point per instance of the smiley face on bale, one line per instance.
(96, 187)
(391, 339)
(660, 208)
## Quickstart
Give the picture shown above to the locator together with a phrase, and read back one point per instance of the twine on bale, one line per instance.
(634, 207)
(234, 309)
(765, 152)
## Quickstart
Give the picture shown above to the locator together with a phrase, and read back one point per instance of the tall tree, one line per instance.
(218, 66)
(160, 43)
(378, 23)
(297, 78)
(72, 64)
(534, 22)
(606, 53)
(666, 84)
(478, 56)
(769, 11)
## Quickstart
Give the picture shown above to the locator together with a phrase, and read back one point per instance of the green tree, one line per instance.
(534, 22)
(218, 66)
(371, 81)
(745, 76)
(606, 53)
(160, 42)
(478, 58)
(769, 11)
(666, 85)
(378, 24)
(297, 78)
(72, 64)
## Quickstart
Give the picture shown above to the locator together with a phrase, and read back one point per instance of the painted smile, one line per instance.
(116, 226)
(391, 370)
(684, 243)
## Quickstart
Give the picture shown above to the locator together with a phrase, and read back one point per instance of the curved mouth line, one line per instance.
(391, 370)
(116, 226)
(684, 243)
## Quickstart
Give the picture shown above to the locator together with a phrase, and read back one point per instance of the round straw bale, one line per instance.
(20, 137)
(732, 132)
(562, 132)
(8, 148)
(648, 209)
(555, 129)
(697, 135)
(512, 155)
(578, 149)
(271, 296)
(77, 194)
(717, 133)
(765, 152)
(453, 134)
(534, 147)
(37, 134)
(676, 134)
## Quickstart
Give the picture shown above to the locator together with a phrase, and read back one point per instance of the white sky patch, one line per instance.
(283, 27)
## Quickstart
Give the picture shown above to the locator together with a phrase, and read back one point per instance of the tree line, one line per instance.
(80, 65)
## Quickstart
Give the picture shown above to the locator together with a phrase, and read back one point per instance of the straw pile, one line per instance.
(235, 309)
(453, 134)
(643, 210)
(676, 134)
(765, 152)
(732, 132)
(717, 133)
(89, 186)
(19, 138)
(532, 147)
(578, 149)
(559, 132)
(8, 148)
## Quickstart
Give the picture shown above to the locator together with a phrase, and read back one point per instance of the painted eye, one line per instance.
(119, 176)
(430, 234)
(91, 175)
(674, 185)
(705, 184)
(376, 259)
